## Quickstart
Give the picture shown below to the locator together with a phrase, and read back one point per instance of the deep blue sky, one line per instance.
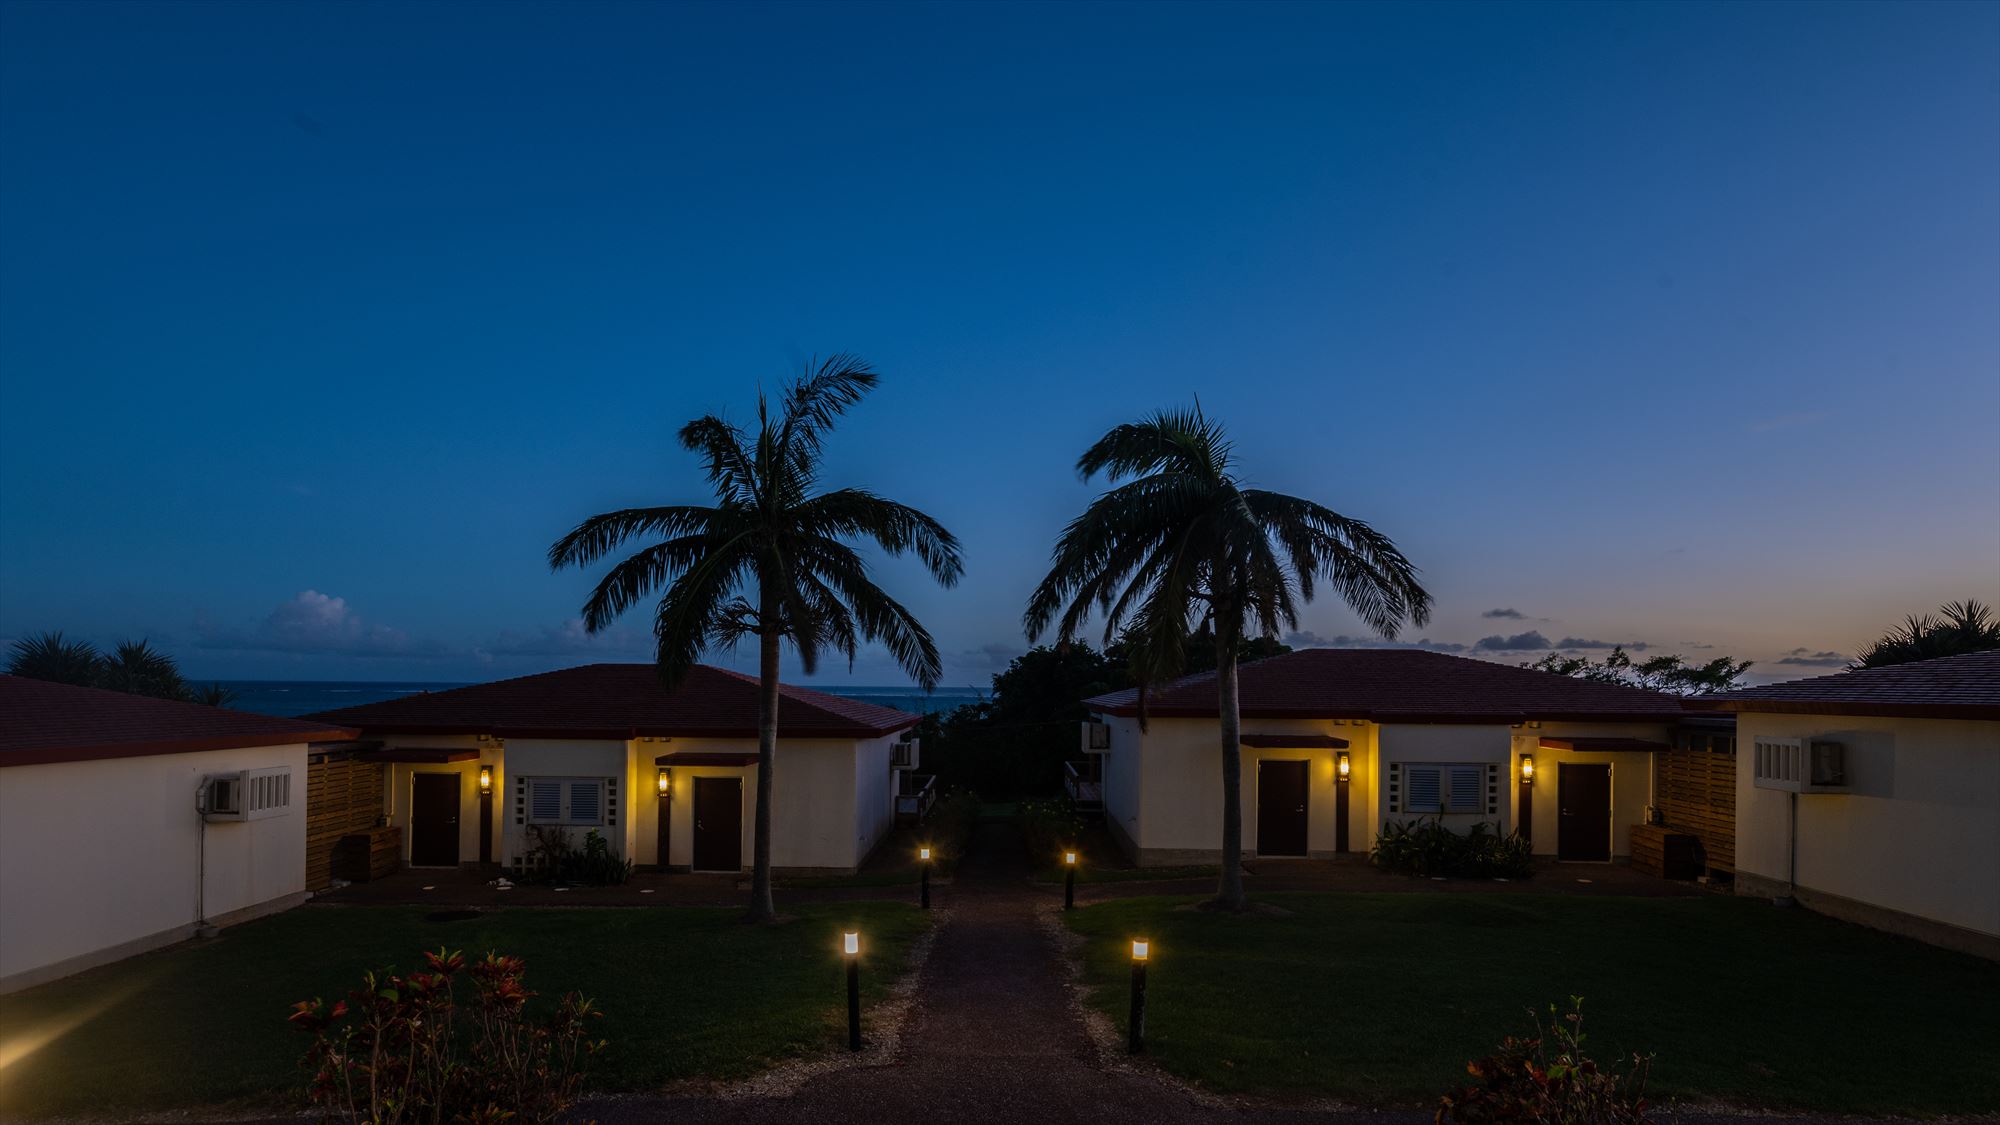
(1671, 324)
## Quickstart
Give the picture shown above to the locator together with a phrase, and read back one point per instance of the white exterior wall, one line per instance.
(1445, 742)
(609, 759)
(98, 859)
(399, 785)
(814, 817)
(874, 793)
(1631, 778)
(1919, 834)
(1163, 787)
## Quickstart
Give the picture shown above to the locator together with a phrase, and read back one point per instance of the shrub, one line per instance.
(1548, 1078)
(1426, 847)
(555, 858)
(1049, 827)
(394, 1052)
(949, 827)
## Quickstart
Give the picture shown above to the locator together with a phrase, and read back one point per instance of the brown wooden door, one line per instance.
(434, 820)
(1281, 808)
(1583, 812)
(718, 824)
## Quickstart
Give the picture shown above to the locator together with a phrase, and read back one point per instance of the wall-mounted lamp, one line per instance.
(1342, 766)
(486, 779)
(666, 783)
(1527, 769)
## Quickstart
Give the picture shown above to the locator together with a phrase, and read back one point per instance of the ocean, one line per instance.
(287, 698)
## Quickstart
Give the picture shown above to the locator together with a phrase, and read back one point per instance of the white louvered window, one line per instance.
(1455, 788)
(267, 792)
(565, 800)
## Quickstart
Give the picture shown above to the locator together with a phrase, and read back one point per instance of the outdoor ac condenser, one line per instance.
(1800, 765)
(222, 796)
(1096, 737)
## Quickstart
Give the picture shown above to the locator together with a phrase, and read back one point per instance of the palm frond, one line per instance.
(601, 534)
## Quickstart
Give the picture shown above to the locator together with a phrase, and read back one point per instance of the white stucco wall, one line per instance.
(1443, 742)
(874, 793)
(814, 820)
(1172, 775)
(98, 855)
(1631, 778)
(1919, 834)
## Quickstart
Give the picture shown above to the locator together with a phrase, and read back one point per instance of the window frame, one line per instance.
(566, 810)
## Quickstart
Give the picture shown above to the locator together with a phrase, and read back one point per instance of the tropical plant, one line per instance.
(1426, 848)
(1180, 547)
(1048, 827)
(1669, 673)
(769, 560)
(394, 1050)
(53, 657)
(1959, 628)
(1546, 1079)
(134, 667)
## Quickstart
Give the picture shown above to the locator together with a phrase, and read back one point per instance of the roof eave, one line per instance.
(98, 752)
(1975, 711)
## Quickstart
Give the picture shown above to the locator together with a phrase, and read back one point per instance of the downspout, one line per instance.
(202, 928)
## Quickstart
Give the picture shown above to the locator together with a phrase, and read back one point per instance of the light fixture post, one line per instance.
(1136, 1022)
(1069, 880)
(853, 949)
(924, 876)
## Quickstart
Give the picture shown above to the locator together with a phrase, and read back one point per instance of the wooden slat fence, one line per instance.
(342, 797)
(1696, 791)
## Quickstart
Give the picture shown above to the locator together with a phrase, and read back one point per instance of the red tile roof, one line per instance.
(43, 722)
(621, 701)
(1393, 685)
(1949, 687)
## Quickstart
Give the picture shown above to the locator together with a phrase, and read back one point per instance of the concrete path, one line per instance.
(993, 1038)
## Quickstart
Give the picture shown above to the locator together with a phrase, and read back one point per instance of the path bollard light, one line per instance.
(1069, 880)
(1136, 1041)
(924, 874)
(851, 946)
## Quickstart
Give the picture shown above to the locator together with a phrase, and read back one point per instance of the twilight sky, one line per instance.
(1676, 325)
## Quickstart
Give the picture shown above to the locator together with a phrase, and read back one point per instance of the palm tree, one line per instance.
(1959, 628)
(137, 668)
(769, 560)
(53, 657)
(1180, 546)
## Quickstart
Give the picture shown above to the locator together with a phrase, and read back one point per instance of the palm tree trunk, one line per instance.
(1229, 895)
(762, 908)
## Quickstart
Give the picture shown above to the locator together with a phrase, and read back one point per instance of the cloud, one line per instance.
(1306, 638)
(1508, 614)
(312, 622)
(1578, 644)
(1825, 658)
(569, 638)
(1787, 421)
(1530, 641)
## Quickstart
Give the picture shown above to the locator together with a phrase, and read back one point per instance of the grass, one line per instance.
(1380, 999)
(1085, 873)
(686, 993)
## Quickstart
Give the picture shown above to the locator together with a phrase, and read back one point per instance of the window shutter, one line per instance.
(545, 801)
(585, 806)
(1422, 789)
(1467, 789)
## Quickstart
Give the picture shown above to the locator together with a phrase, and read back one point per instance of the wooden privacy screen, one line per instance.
(1696, 791)
(342, 797)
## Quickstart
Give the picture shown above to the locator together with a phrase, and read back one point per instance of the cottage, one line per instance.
(1338, 742)
(1874, 795)
(195, 818)
(667, 779)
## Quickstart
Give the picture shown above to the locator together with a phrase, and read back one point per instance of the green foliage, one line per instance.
(134, 667)
(1425, 848)
(1959, 628)
(1668, 673)
(395, 1050)
(1048, 827)
(948, 828)
(1546, 1079)
(559, 860)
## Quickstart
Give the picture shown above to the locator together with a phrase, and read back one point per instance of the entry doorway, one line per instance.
(1583, 812)
(718, 824)
(1281, 808)
(434, 820)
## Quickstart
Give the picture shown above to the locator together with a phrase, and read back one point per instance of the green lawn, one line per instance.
(1380, 999)
(1086, 873)
(686, 993)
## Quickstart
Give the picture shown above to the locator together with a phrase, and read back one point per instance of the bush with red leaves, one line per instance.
(394, 1052)
(1548, 1079)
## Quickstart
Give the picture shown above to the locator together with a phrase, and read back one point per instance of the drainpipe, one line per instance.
(202, 928)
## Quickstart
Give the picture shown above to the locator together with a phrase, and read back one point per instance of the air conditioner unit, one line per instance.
(1096, 737)
(905, 754)
(222, 796)
(1800, 765)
